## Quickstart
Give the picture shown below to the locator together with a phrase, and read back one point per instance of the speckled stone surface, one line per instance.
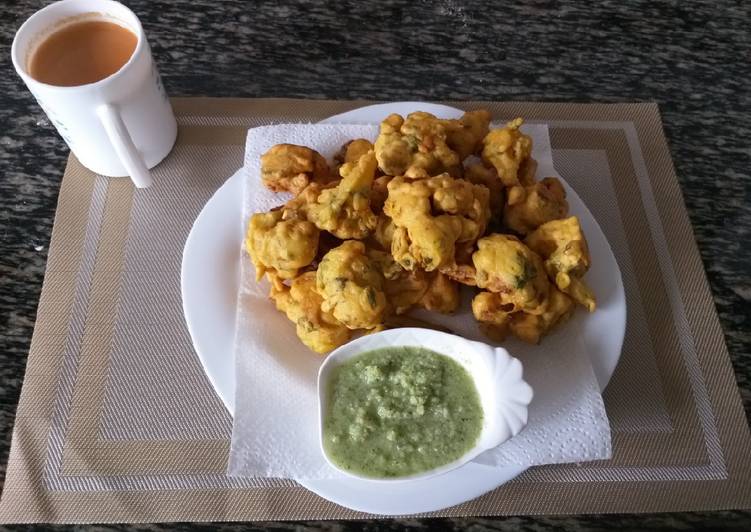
(693, 58)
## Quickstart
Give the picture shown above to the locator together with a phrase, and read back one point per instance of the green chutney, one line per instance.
(399, 411)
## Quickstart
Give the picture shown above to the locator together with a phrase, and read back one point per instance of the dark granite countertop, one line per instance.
(693, 58)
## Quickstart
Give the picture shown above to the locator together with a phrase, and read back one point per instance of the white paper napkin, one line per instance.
(275, 431)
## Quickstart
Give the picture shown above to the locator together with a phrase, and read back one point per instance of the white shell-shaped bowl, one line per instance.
(504, 395)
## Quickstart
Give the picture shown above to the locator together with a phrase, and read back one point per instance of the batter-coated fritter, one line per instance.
(532, 327)
(290, 168)
(493, 314)
(344, 210)
(462, 270)
(431, 216)
(465, 134)
(563, 246)
(415, 147)
(463, 273)
(529, 207)
(506, 266)
(509, 151)
(351, 285)
(497, 319)
(280, 246)
(353, 150)
(384, 232)
(442, 294)
(316, 328)
(479, 174)
(403, 288)
(297, 207)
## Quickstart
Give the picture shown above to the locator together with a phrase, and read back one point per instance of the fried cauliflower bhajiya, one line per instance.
(465, 134)
(479, 174)
(351, 285)
(529, 207)
(532, 327)
(493, 314)
(509, 151)
(316, 328)
(431, 215)
(280, 246)
(415, 146)
(344, 210)
(384, 232)
(353, 150)
(442, 294)
(563, 246)
(290, 168)
(403, 288)
(506, 266)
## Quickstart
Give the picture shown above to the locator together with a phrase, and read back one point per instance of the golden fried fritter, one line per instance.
(479, 174)
(506, 266)
(493, 314)
(509, 151)
(297, 207)
(290, 168)
(344, 210)
(351, 151)
(465, 134)
(488, 307)
(407, 290)
(532, 327)
(529, 207)
(316, 328)
(403, 288)
(563, 243)
(563, 246)
(463, 273)
(434, 239)
(442, 294)
(431, 216)
(281, 246)
(382, 259)
(577, 289)
(462, 270)
(351, 285)
(384, 232)
(415, 147)
(497, 319)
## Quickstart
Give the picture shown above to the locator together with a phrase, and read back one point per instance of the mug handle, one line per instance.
(123, 144)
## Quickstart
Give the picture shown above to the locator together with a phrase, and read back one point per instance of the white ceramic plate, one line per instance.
(210, 283)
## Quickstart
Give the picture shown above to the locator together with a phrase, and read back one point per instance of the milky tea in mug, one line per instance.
(81, 52)
(89, 65)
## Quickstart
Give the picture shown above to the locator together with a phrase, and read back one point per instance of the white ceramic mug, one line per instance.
(118, 126)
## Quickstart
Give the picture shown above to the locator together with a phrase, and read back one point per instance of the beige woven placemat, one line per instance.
(117, 421)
